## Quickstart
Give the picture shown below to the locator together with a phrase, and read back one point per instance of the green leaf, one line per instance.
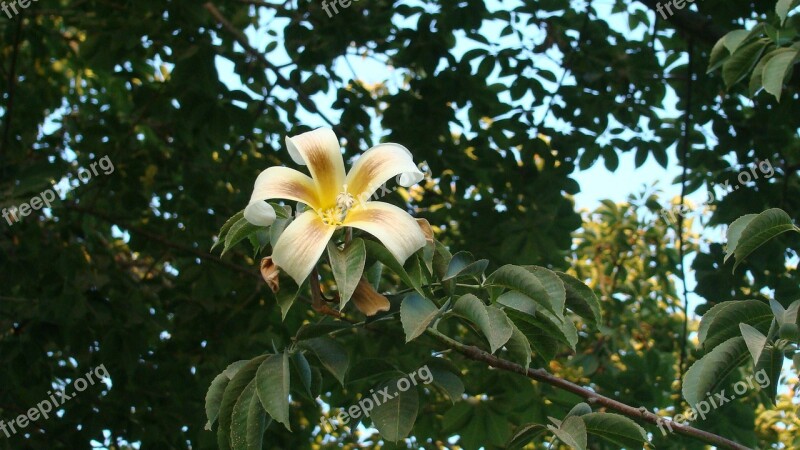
(313, 330)
(549, 325)
(493, 322)
(303, 371)
(518, 301)
(286, 296)
(418, 272)
(449, 382)
(276, 230)
(581, 299)
(724, 321)
(543, 343)
(241, 422)
(238, 232)
(226, 227)
(615, 428)
(771, 363)
(519, 348)
(371, 370)
(282, 211)
(239, 417)
(522, 280)
(525, 434)
(761, 229)
(708, 318)
(259, 240)
(742, 61)
(789, 332)
(416, 313)
(565, 327)
(395, 417)
(708, 372)
(441, 260)
(331, 354)
(272, 386)
(348, 266)
(463, 264)
(257, 423)
(776, 71)
(552, 283)
(734, 39)
(457, 417)
(234, 367)
(754, 339)
(374, 273)
(735, 232)
(791, 313)
(572, 432)
(214, 398)
(380, 253)
(234, 389)
(777, 310)
(581, 409)
(717, 57)
(783, 7)
(757, 78)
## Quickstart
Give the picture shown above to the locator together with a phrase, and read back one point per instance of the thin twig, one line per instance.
(241, 39)
(592, 397)
(566, 59)
(164, 241)
(266, 5)
(12, 82)
(318, 300)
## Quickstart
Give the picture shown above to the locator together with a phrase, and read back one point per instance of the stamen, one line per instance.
(336, 216)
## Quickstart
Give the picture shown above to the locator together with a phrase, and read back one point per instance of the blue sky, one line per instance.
(597, 183)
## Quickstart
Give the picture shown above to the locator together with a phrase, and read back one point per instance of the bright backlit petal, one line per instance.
(279, 182)
(301, 244)
(395, 228)
(260, 213)
(320, 151)
(377, 165)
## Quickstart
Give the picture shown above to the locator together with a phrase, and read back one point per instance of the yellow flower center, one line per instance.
(336, 215)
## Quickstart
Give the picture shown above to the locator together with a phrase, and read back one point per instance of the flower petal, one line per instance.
(260, 213)
(368, 300)
(395, 228)
(301, 244)
(279, 182)
(320, 151)
(379, 164)
(270, 272)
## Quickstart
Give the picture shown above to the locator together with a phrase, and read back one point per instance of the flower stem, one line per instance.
(317, 300)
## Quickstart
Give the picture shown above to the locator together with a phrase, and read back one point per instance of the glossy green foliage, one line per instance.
(118, 271)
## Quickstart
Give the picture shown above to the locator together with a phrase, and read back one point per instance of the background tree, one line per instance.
(505, 103)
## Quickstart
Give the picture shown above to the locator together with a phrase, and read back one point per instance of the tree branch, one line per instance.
(264, 4)
(541, 375)
(695, 24)
(164, 241)
(12, 82)
(241, 39)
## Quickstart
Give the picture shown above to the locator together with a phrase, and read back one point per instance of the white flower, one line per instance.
(335, 200)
